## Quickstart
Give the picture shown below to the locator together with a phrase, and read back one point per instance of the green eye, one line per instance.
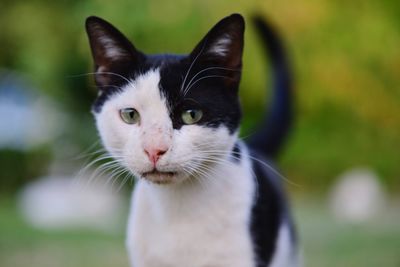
(129, 115)
(191, 116)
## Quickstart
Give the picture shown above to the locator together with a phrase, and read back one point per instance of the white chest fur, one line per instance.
(196, 224)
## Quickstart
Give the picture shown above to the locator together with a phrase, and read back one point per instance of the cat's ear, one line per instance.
(112, 52)
(223, 44)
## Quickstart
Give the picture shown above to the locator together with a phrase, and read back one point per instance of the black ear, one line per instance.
(112, 52)
(223, 45)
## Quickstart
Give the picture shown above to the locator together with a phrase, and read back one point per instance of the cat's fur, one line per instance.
(203, 198)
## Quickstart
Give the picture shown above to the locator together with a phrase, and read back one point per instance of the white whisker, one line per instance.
(101, 72)
(202, 78)
(191, 65)
(210, 68)
(276, 172)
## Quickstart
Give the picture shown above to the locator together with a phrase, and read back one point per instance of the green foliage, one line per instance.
(18, 167)
(344, 53)
(22, 245)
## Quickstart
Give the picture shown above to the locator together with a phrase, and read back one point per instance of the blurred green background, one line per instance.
(346, 64)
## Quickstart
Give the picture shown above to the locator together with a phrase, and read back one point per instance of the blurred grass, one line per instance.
(330, 243)
(325, 242)
(22, 245)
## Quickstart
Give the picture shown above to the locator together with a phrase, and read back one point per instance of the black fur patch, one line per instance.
(219, 103)
(236, 153)
(269, 211)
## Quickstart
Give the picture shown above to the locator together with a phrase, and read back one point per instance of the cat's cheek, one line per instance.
(212, 139)
(111, 132)
(194, 143)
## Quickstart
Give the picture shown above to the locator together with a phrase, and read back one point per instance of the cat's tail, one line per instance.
(272, 133)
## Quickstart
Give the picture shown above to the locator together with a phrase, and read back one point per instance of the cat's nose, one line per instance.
(154, 154)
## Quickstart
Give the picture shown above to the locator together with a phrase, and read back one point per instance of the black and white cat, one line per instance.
(203, 197)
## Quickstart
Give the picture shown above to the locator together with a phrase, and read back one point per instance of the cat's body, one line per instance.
(184, 225)
(205, 198)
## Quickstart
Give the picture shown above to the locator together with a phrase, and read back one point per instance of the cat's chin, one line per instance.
(159, 177)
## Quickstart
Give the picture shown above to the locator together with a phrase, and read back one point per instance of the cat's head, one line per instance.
(168, 117)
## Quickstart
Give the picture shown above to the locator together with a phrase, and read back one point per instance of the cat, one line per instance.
(203, 197)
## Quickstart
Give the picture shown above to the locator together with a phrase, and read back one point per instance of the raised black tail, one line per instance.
(272, 134)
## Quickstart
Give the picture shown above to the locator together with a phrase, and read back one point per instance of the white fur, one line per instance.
(112, 50)
(221, 46)
(201, 217)
(285, 254)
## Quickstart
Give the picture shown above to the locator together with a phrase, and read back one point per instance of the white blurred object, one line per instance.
(357, 196)
(61, 203)
(27, 117)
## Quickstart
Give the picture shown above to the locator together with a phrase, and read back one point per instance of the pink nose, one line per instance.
(154, 154)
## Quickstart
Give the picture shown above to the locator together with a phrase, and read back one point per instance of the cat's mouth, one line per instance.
(159, 177)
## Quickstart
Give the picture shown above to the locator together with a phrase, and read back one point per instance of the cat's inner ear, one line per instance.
(223, 44)
(112, 52)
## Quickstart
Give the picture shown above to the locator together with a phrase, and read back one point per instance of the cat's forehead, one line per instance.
(165, 69)
(143, 94)
(158, 81)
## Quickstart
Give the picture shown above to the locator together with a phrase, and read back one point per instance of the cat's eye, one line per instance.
(191, 116)
(129, 115)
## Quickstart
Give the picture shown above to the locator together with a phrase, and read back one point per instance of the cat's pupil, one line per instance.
(192, 114)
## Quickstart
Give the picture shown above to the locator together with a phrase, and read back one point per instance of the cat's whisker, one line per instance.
(92, 163)
(99, 73)
(224, 152)
(211, 175)
(276, 172)
(127, 178)
(191, 66)
(103, 169)
(203, 169)
(124, 180)
(202, 78)
(254, 177)
(210, 68)
(115, 175)
(226, 162)
(206, 170)
(199, 171)
(110, 85)
(247, 136)
(88, 165)
(188, 173)
(194, 173)
(119, 170)
(105, 157)
(88, 152)
(193, 167)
